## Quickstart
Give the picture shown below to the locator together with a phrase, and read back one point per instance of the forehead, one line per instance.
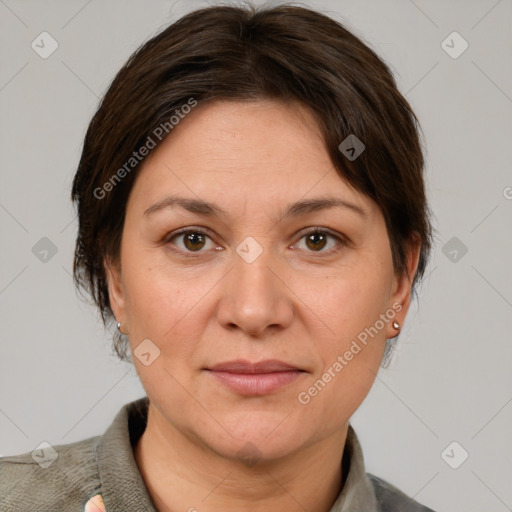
(260, 153)
(246, 134)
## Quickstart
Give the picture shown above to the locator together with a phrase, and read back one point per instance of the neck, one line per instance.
(182, 475)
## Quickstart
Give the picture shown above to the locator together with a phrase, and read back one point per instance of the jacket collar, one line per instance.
(122, 486)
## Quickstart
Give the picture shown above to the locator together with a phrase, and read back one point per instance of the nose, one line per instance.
(255, 297)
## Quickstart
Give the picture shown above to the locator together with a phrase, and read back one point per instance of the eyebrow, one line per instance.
(293, 210)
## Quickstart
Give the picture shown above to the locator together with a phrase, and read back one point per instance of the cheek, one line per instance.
(350, 352)
(163, 304)
(350, 301)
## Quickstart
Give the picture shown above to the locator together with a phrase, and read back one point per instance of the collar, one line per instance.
(122, 486)
(357, 493)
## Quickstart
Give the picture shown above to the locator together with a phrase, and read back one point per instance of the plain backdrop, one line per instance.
(450, 379)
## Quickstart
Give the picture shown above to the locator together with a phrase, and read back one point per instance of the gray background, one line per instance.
(451, 377)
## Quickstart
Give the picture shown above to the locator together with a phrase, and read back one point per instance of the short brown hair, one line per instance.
(249, 53)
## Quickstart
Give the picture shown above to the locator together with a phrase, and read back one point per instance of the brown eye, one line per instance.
(316, 241)
(193, 241)
(190, 241)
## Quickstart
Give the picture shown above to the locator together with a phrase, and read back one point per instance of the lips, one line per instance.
(242, 366)
(261, 378)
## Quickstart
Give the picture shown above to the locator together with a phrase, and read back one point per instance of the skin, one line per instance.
(298, 302)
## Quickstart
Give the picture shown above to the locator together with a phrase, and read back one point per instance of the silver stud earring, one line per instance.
(396, 325)
(119, 325)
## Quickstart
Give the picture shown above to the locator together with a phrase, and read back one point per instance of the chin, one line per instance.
(256, 437)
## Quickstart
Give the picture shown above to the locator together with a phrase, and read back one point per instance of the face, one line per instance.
(256, 285)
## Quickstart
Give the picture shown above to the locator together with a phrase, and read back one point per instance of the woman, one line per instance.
(252, 216)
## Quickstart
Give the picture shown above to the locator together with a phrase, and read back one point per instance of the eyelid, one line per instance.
(320, 229)
(188, 229)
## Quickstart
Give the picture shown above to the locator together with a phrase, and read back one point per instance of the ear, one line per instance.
(402, 285)
(115, 289)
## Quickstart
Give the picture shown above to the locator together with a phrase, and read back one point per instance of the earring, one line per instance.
(396, 325)
(119, 325)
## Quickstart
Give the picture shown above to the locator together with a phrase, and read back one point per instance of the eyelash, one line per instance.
(316, 230)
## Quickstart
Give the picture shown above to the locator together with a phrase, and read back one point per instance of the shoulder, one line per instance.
(390, 498)
(61, 477)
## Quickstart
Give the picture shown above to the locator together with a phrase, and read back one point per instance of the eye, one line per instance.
(317, 239)
(192, 240)
(189, 241)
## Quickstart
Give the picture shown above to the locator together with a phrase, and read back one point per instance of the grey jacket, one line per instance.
(64, 478)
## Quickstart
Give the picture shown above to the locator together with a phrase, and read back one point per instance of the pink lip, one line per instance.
(261, 378)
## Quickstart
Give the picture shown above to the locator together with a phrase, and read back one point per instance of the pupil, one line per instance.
(314, 239)
(192, 239)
